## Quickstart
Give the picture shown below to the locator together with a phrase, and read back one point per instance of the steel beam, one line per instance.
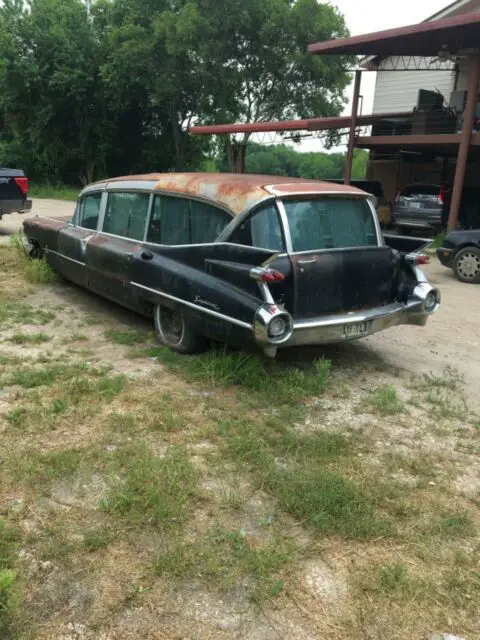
(465, 140)
(353, 126)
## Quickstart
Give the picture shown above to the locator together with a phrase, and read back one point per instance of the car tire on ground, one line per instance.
(173, 332)
(33, 250)
(466, 265)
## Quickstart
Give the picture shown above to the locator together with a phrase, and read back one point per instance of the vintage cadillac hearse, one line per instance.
(244, 259)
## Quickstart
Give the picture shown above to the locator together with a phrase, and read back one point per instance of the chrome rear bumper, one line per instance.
(336, 328)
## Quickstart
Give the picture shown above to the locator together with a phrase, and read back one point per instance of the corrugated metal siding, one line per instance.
(398, 90)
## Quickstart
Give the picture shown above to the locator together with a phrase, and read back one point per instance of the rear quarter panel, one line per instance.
(44, 231)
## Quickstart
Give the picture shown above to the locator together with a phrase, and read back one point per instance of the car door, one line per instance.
(70, 255)
(182, 259)
(109, 254)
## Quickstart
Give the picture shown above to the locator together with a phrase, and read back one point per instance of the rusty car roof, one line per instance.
(237, 191)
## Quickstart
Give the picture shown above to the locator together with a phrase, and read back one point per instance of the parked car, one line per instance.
(13, 192)
(382, 206)
(461, 252)
(243, 259)
(419, 207)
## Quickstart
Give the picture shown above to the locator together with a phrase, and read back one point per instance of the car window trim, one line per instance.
(78, 209)
(248, 213)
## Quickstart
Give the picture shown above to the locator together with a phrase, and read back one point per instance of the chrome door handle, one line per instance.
(301, 262)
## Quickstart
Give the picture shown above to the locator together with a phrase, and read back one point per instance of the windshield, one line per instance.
(330, 223)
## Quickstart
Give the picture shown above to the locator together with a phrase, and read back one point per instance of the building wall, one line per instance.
(398, 90)
(456, 9)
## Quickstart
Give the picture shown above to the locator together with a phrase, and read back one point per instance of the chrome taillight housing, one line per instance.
(272, 325)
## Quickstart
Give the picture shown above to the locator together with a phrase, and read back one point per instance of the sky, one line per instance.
(365, 16)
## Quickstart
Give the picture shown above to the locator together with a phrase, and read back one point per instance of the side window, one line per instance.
(262, 229)
(183, 221)
(89, 210)
(206, 222)
(170, 221)
(126, 214)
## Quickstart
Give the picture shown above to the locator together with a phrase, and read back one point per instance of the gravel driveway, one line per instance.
(451, 338)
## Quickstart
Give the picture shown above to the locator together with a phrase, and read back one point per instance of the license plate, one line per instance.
(355, 329)
(416, 205)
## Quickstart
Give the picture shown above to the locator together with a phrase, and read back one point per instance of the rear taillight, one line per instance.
(417, 258)
(441, 196)
(22, 184)
(266, 275)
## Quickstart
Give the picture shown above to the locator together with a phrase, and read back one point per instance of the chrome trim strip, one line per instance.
(376, 222)
(149, 218)
(61, 255)
(275, 190)
(197, 307)
(286, 227)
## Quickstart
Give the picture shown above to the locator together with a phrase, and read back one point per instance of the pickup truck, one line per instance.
(13, 192)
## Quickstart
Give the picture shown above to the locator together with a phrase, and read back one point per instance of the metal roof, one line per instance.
(458, 34)
(236, 191)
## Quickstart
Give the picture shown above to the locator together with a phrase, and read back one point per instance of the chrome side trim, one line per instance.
(197, 307)
(61, 255)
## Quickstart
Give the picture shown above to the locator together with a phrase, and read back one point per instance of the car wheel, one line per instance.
(466, 265)
(173, 332)
(32, 249)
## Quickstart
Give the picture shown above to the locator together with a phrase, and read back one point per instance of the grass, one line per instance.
(16, 312)
(30, 338)
(53, 192)
(328, 501)
(438, 241)
(228, 489)
(305, 475)
(224, 559)
(384, 400)
(146, 489)
(454, 526)
(125, 337)
(396, 582)
(41, 469)
(246, 371)
(9, 586)
(35, 271)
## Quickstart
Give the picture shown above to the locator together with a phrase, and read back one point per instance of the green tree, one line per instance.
(249, 61)
(52, 101)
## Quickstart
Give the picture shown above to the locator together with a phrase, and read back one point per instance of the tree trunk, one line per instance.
(236, 154)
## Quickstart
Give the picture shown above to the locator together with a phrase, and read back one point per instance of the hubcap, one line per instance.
(469, 265)
(172, 324)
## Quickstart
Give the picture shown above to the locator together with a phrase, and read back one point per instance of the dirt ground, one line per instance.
(451, 338)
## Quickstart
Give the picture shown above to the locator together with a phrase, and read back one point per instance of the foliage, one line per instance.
(283, 160)
(106, 87)
(8, 578)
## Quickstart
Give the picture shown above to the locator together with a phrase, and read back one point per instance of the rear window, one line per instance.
(420, 190)
(330, 223)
